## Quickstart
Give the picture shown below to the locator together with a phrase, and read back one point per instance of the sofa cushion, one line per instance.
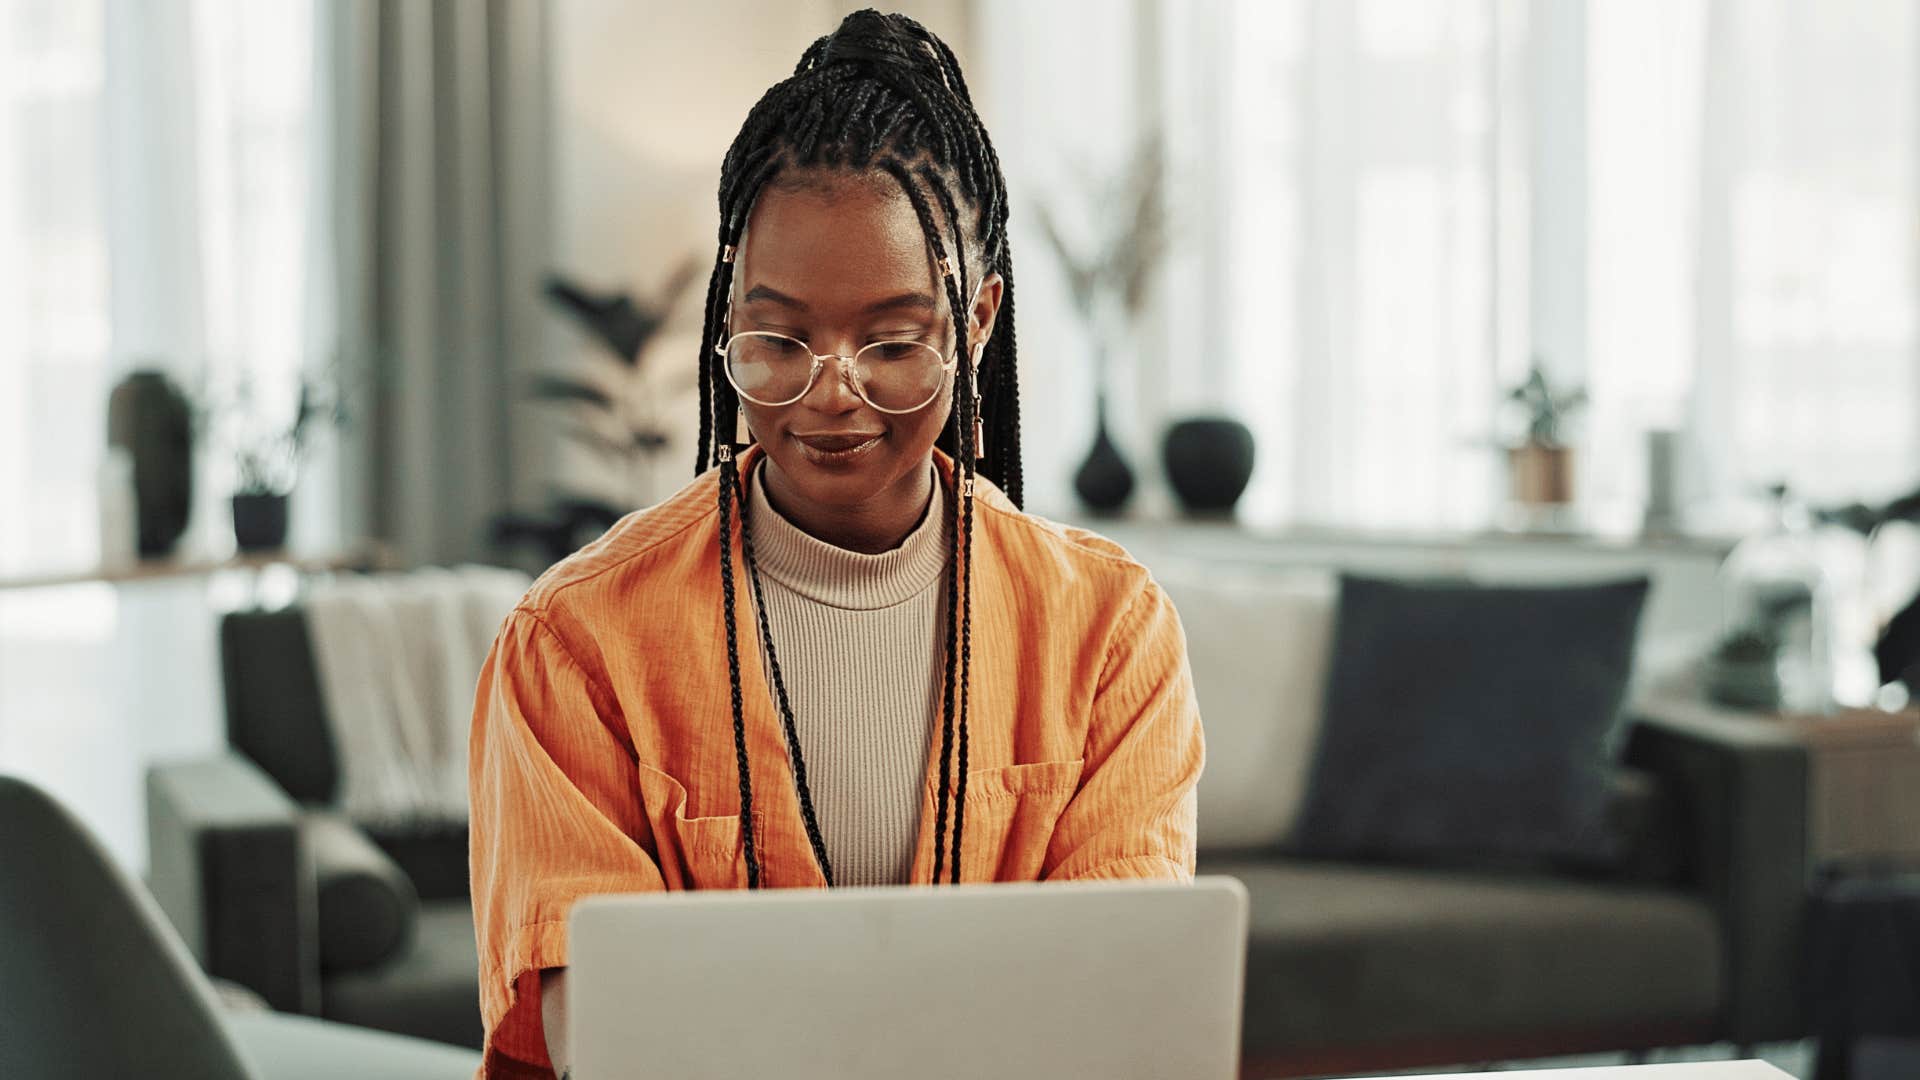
(431, 852)
(367, 904)
(430, 989)
(1257, 644)
(1470, 722)
(1339, 954)
(275, 715)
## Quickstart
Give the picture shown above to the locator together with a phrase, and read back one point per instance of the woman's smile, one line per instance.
(838, 449)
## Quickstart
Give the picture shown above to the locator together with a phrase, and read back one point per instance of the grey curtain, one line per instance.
(434, 195)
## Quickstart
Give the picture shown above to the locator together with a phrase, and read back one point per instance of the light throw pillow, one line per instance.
(1257, 644)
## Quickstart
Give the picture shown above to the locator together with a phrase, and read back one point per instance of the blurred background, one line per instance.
(299, 294)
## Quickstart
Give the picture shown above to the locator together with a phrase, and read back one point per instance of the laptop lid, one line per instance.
(1090, 980)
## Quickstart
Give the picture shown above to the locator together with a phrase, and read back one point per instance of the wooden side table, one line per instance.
(1863, 820)
(1863, 790)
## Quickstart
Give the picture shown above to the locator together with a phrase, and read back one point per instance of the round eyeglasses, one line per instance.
(772, 369)
(892, 376)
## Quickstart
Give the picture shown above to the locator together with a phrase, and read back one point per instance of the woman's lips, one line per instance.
(838, 449)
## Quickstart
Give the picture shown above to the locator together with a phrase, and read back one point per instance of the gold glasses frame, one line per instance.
(846, 364)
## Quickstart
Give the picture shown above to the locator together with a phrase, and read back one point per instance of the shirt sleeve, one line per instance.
(1134, 814)
(555, 816)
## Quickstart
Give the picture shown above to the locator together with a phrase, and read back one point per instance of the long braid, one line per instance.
(727, 481)
(807, 815)
(881, 93)
(707, 331)
(957, 612)
(1003, 396)
(969, 453)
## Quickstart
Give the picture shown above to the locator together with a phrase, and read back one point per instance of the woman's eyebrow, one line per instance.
(916, 301)
(773, 295)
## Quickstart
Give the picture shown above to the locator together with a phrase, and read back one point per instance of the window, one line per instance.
(1704, 213)
(154, 161)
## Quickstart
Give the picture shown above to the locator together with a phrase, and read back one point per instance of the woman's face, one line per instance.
(839, 261)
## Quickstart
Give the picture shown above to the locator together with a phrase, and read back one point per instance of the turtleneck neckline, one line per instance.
(841, 578)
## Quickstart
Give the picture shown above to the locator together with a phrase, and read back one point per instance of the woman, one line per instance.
(740, 687)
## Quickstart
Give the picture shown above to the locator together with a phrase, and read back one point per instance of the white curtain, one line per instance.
(1810, 210)
(1702, 211)
(1361, 284)
(1331, 276)
(53, 292)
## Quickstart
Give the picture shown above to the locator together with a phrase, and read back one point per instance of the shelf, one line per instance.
(145, 570)
(1215, 532)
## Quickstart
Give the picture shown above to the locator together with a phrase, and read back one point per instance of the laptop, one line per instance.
(1068, 981)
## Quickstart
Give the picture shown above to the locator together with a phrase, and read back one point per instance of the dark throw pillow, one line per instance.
(1470, 724)
(367, 904)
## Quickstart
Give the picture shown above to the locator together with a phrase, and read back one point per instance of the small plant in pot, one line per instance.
(1541, 465)
(268, 453)
(1743, 670)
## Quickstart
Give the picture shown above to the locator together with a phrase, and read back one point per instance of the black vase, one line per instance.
(260, 522)
(1208, 460)
(1104, 482)
(149, 416)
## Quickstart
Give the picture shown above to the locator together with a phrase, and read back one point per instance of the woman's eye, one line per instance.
(897, 350)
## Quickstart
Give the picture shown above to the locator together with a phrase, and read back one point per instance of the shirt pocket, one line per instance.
(1011, 812)
(693, 852)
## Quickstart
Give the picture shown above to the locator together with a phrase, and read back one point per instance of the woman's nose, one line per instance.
(834, 390)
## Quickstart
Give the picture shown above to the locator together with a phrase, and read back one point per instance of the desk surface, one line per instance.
(1701, 1070)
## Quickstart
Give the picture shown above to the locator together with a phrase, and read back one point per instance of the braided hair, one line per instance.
(880, 95)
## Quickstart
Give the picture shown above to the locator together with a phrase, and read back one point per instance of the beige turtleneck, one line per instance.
(859, 644)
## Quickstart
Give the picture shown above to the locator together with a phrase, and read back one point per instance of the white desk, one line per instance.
(1700, 1070)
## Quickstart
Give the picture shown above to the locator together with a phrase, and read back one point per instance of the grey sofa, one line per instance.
(1356, 967)
(1692, 938)
(276, 891)
(96, 984)
(1352, 967)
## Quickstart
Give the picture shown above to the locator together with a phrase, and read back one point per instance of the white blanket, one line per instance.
(398, 657)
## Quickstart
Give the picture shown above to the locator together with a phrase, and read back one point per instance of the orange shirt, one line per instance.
(602, 756)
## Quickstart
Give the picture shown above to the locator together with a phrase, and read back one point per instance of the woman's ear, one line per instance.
(986, 308)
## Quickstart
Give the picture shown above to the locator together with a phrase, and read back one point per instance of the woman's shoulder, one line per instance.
(1043, 554)
(679, 527)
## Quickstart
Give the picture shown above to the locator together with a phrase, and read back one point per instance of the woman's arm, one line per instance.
(553, 1017)
(555, 816)
(1134, 815)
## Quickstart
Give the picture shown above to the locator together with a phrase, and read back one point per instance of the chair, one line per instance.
(274, 889)
(95, 983)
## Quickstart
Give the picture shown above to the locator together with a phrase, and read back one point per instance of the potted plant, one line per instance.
(1743, 671)
(1541, 465)
(606, 418)
(268, 452)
